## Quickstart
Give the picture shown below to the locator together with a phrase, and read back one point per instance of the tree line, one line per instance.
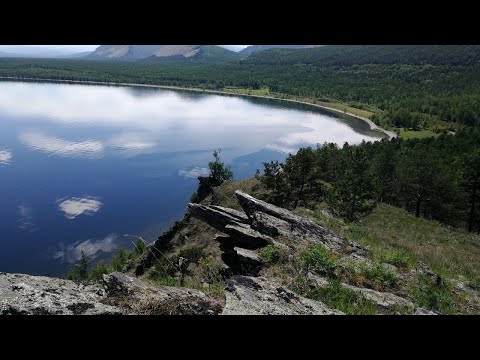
(435, 178)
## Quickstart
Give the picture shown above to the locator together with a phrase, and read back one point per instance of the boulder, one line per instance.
(296, 228)
(422, 311)
(260, 296)
(216, 216)
(39, 295)
(139, 297)
(245, 237)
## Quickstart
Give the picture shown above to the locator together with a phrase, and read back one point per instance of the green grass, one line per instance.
(418, 134)
(343, 107)
(319, 259)
(262, 91)
(435, 297)
(380, 278)
(346, 300)
(448, 251)
(270, 254)
(398, 257)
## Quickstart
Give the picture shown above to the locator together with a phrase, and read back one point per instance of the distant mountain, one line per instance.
(249, 50)
(194, 53)
(165, 53)
(124, 52)
(76, 55)
(235, 48)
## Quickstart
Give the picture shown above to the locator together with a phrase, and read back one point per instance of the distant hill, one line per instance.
(123, 52)
(194, 53)
(249, 50)
(75, 55)
(235, 48)
(349, 55)
(165, 53)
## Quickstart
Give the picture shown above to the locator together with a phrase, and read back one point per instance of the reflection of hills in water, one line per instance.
(359, 125)
(245, 166)
(186, 95)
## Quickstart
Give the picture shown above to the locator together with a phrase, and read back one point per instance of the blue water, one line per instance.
(80, 166)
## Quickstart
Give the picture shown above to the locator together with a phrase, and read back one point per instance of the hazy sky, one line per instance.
(78, 48)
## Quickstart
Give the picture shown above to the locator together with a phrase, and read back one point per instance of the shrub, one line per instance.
(120, 260)
(192, 253)
(140, 247)
(379, 276)
(429, 295)
(80, 271)
(210, 270)
(398, 258)
(319, 259)
(165, 281)
(164, 267)
(98, 270)
(269, 254)
(346, 300)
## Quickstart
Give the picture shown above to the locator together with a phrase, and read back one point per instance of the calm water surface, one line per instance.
(80, 166)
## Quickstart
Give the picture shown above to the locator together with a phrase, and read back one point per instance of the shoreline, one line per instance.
(373, 126)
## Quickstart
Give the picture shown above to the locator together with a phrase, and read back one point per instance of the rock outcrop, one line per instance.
(139, 297)
(118, 294)
(253, 284)
(260, 296)
(273, 220)
(39, 295)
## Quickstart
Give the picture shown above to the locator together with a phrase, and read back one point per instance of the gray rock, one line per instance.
(383, 299)
(40, 295)
(139, 297)
(216, 216)
(240, 216)
(421, 311)
(293, 226)
(248, 256)
(245, 237)
(259, 296)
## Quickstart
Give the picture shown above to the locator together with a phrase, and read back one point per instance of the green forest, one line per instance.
(435, 178)
(412, 87)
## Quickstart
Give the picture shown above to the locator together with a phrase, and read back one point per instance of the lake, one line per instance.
(83, 165)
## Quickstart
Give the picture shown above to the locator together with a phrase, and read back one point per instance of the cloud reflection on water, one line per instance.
(74, 206)
(5, 157)
(91, 248)
(60, 147)
(25, 221)
(194, 173)
(165, 121)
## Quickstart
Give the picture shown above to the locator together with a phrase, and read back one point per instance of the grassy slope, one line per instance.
(450, 252)
(420, 134)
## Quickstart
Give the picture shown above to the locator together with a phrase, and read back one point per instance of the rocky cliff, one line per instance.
(252, 283)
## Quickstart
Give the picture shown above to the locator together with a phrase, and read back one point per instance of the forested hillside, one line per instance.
(412, 87)
(435, 178)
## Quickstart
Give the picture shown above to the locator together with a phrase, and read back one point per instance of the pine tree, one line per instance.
(82, 268)
(273, 179)
(384, 165)
(471, 183)
(353, 194)
(299, 172)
